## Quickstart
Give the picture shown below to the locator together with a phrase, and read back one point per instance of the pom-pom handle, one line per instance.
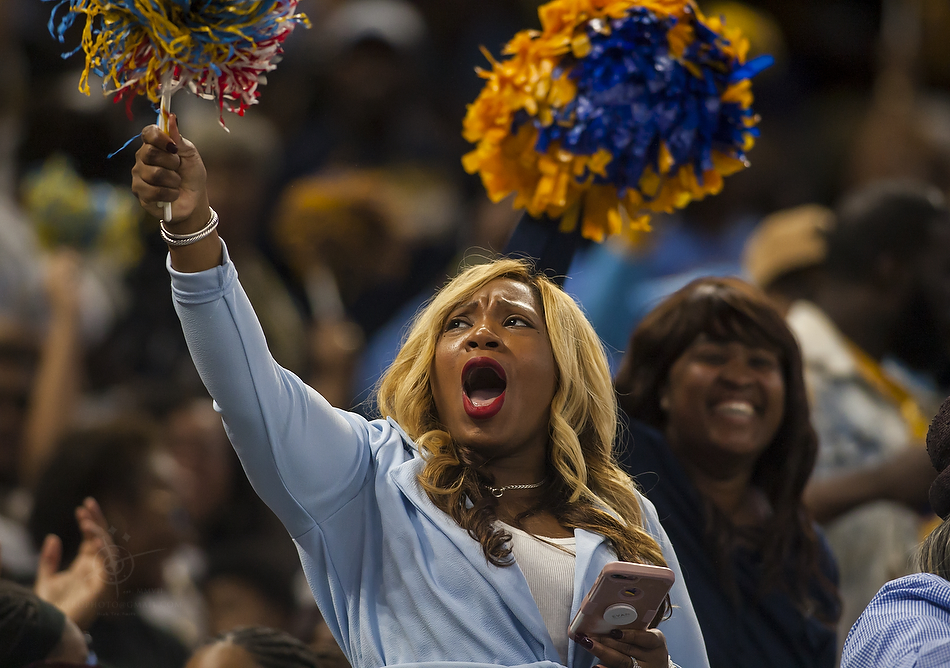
(164, 112)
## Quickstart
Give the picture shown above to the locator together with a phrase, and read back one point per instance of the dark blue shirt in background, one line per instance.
(751, 630)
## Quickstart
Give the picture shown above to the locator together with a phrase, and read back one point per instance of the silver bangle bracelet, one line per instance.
(187, 239)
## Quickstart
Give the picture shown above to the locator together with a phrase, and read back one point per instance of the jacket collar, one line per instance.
(592, 553)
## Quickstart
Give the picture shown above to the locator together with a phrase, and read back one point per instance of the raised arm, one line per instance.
(303, 457)
(56, 388)
(904, 477)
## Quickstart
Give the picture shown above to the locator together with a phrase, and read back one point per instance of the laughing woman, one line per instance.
(465, 527)
(723, 445)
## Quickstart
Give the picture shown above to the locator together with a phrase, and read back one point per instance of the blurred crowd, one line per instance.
(344, 205)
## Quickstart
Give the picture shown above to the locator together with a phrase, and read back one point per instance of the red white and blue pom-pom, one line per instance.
(219, 49)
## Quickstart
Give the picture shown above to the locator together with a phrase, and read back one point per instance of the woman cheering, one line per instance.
(465, 527)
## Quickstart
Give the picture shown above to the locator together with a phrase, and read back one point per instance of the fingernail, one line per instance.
(584, 641)
(616, 634)
(172, 147)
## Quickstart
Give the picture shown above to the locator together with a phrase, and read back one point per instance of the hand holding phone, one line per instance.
(625, 595)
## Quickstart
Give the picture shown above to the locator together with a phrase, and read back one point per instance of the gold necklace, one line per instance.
(498, 491)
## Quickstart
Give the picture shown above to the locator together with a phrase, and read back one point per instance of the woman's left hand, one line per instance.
(628, 648)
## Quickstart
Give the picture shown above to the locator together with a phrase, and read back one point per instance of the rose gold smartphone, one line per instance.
(625, 595)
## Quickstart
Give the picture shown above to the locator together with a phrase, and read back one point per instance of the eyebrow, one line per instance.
(500, 301)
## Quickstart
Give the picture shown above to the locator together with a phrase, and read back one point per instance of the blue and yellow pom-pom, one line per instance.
(614, 110)
(219, 49)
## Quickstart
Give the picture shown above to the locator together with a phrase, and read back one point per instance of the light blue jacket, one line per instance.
(398, 581)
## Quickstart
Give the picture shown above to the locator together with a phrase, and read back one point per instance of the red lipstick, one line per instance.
(483, 388)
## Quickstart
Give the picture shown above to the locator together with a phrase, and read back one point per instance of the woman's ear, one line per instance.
(665, 399)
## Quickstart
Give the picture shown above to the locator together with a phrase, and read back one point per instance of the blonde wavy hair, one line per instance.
(585, 488)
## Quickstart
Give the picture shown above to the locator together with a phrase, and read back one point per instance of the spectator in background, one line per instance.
(21, 275)
(785, 253)
(47, 624)
(369, 106)
(368, 245)
(32, 630)
(722, 445)
(216, 570)
(242, 169)
(39, 390)
(81, 588)
(215, 493)
(885, 295)
(56, 387)
(119, 465)
(18, 360)
(249, 582)
(908, 622)
(341, 236)
(38, 303)
(254, 647)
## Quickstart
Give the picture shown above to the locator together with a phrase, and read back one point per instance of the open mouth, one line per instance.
(483, 386)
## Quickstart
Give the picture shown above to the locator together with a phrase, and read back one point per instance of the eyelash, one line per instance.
(454, 323)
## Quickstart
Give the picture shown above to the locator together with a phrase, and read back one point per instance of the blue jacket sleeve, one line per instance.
(303, 457)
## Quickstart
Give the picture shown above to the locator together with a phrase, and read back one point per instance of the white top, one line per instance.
(857, 425)
(548, 566)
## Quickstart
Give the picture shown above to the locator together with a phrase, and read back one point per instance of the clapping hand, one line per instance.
(79, 589)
